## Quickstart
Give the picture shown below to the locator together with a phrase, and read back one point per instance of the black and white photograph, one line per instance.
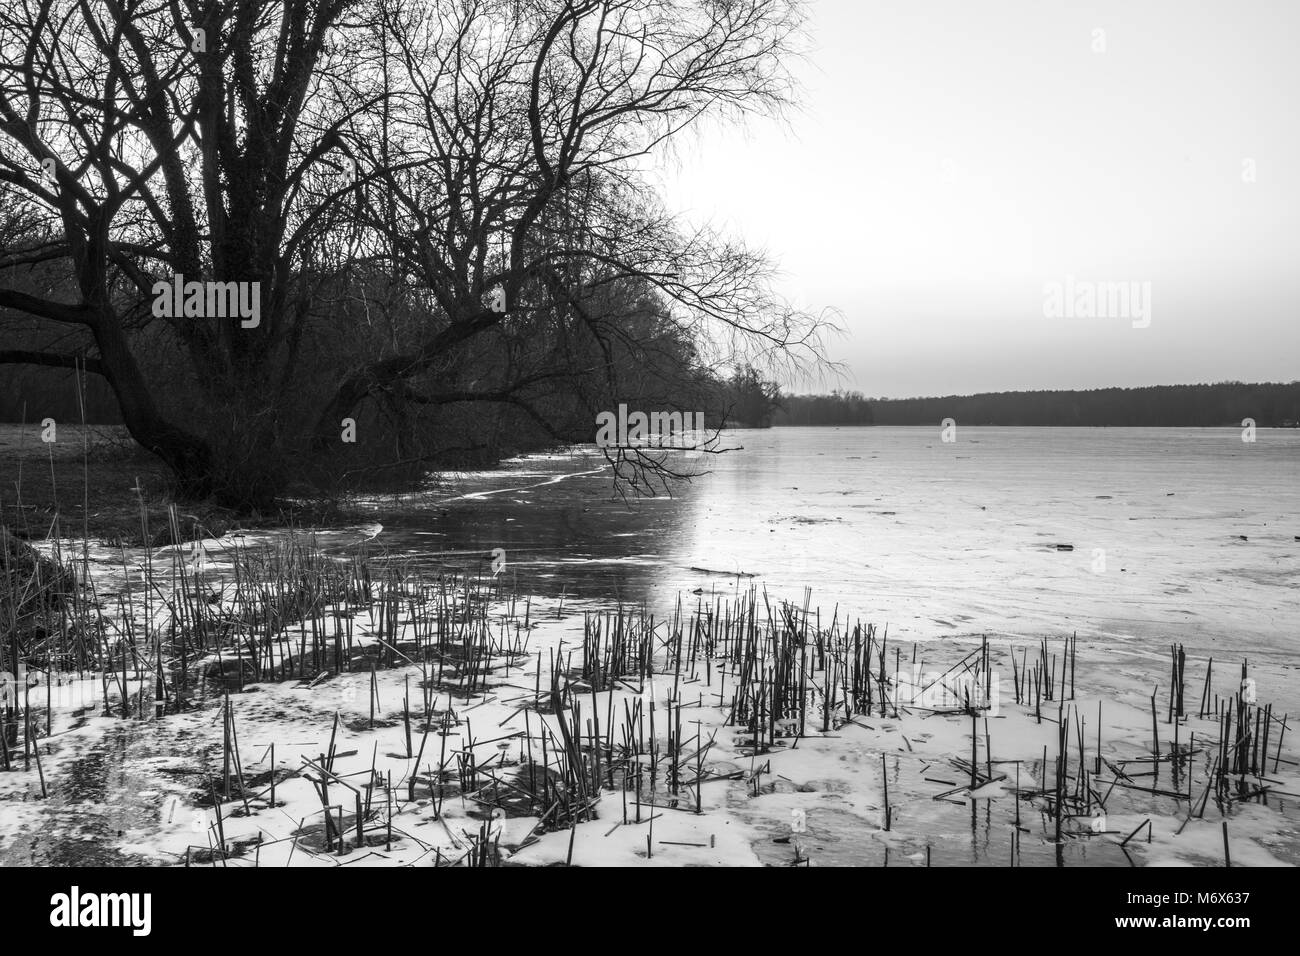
(804, 434)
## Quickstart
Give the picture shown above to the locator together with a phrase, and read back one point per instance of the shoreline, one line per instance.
(736, 732)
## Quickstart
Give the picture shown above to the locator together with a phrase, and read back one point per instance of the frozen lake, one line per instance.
(1178, 535)
(1132, 538)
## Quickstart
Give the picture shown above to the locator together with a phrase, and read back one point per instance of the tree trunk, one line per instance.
(188, 456)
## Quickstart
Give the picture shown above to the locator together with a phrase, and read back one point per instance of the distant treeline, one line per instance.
(837, 408)
(1224, 403)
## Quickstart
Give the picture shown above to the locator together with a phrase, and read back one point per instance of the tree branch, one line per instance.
(51, 359)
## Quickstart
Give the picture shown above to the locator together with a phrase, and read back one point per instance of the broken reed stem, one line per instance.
(884, 779)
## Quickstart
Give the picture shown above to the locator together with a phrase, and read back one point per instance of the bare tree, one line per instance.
(469, 170)
(510, 162)
(166, 139)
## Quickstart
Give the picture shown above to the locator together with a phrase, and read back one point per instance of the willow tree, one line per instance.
(483, 161)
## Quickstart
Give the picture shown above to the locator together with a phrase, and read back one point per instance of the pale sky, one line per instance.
(951, 157)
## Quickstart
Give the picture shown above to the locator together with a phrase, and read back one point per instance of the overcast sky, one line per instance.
(952, 157)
